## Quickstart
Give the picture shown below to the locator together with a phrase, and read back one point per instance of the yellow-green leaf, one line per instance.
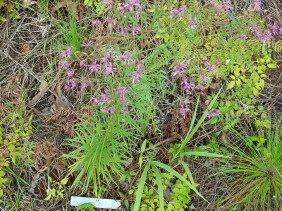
(231, 85)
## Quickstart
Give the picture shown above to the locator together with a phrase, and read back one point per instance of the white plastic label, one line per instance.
(98, 203)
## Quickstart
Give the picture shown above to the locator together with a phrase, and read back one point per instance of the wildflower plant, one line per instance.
(15, 132)
(119, 73)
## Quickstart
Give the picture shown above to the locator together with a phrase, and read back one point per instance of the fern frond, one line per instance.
(278, 46)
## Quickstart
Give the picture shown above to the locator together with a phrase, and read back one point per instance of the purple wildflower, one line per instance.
(204, 78)
(280, 31)
(266, 36)
(108, 3)
(70, 73)
(193, 23)
(66, 87)
(183, 109)
(212, 113)
(181, 11)
(179, 68)
(257, 5)
(135, 29)
(81, 62)
(104, 97)
(211, 67)
(243, 36)
(125, 109)
(123, 31)
(122, 91)
(111, 22)
(73, 83)
(227, 5)
(219, 8)
(174, 12)
(269, 17)
(97, 23)
(110, 110)
(109, 54)
(66, 65)
(126, 57)
(177, 12)
(187, 86)
(83, 85)
(87, 44)
(66, 53)
(93, 66)
(274, 28)
(109, 68)
(131, 5)
(134, 76)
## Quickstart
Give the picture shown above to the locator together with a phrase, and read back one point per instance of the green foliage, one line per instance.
(56, 189)
(15, 131)
(278, 46)
(11, 8)
(240, 63)
(145, 194)
(104, 141)
(177, 191)
(256, 166)
(86, 206)
(100, 149)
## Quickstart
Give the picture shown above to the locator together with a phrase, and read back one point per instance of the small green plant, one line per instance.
(56, 189)
(178, 153)
(256, 167)
(15, 131)
(11, 8)
(178, 193)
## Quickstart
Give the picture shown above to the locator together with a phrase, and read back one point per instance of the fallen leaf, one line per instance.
(43, 88)
(25, 48)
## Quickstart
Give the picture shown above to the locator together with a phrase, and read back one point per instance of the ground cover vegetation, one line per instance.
(164, 105)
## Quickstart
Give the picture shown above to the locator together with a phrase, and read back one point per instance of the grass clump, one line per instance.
(256, 168)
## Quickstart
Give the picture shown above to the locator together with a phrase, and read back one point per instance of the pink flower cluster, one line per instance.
(130, 5)
(257, 5)
(108, 65)
(178, 69)
(226, 7)
(262, 36)
(108, 3)
(193, 22)
(177, 12)
(72, 82)
(212, 113)
(183, 107)
(104, 98)
(135, 30)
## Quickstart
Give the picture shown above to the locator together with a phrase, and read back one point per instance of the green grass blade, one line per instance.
(188, 172)
(194, 130)
(141, 188)
(160, 187)
(179, 176)
(204, 154)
